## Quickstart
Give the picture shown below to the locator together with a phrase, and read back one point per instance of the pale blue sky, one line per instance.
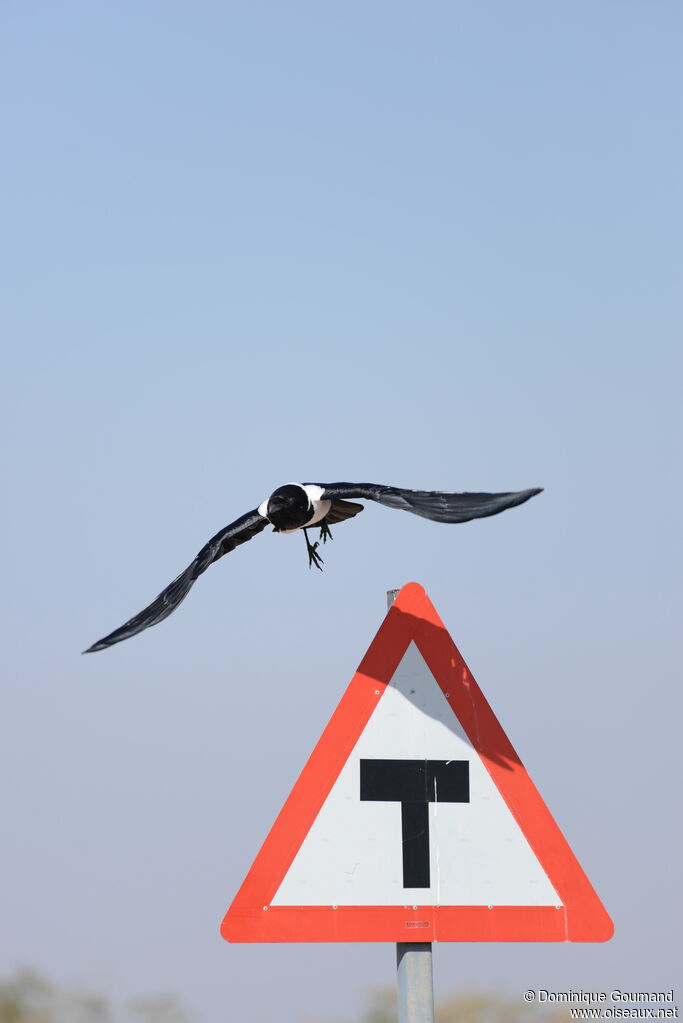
(434, 245)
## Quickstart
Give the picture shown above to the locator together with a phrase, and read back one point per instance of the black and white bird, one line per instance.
(298, 506)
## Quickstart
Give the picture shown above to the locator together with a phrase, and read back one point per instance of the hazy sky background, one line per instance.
(436, 245)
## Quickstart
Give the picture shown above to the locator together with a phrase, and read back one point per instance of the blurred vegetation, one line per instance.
(493, 1008)
(28, 997)
(471, 1007)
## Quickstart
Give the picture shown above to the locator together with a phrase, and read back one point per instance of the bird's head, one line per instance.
(288, 507)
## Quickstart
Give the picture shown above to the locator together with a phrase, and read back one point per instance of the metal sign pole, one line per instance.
(413, 963)
(415, 984)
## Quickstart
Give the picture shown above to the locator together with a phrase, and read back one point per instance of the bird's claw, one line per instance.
(325, 532)
(313, 556)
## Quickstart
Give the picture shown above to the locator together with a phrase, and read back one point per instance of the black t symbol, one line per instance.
(415, 784)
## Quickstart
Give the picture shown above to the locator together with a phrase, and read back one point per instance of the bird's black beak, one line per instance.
(275, 507)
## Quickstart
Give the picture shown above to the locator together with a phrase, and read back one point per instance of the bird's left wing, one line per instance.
(437, 505)
(231, 536)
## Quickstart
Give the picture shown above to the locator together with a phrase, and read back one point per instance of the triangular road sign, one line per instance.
(414, 819)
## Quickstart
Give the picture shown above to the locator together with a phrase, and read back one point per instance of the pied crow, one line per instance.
(298, 506)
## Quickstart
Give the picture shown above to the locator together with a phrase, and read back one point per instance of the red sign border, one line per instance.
(251, 917)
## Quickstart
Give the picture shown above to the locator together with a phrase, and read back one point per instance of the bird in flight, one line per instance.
(298, 506)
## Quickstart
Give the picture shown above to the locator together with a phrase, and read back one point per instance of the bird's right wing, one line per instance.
(437, 505)
(168, 600)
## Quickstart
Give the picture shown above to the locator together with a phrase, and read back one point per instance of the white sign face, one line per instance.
(415, 817)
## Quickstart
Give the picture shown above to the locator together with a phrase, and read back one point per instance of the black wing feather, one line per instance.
(430, 504)
(341, 511)
(168, 600)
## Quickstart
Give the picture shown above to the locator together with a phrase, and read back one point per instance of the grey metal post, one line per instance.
(415, 984)
(413, 963)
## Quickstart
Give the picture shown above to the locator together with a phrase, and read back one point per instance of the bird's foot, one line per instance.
(325, 532)
(313, 556)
